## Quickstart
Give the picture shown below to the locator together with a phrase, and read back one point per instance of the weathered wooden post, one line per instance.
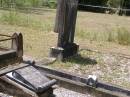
(17, 44)
(65, 26)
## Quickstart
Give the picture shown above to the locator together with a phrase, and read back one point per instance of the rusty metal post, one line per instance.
(65, 27)
(17, 44)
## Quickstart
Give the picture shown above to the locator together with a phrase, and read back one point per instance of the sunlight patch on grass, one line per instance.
(25, 20)
(118, 35)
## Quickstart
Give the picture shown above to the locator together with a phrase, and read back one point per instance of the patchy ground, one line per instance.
(62, 92)
(108, 67)
(4, 95)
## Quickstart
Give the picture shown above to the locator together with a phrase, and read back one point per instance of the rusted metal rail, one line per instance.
(5, 35)
(1, 40)
(8, 37)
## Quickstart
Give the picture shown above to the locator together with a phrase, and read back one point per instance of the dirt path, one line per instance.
(62, 92)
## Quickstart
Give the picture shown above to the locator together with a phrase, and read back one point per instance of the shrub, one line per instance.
(15, 18)
(123, 36)
(28, 3)
(52, 3)
(114, 3)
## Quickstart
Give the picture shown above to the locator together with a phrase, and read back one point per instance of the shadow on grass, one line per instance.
(78, 59)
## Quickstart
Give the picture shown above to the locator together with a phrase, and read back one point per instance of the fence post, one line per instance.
(17, 44)
(65, 27)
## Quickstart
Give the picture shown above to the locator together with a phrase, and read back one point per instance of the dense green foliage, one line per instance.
(52, 3)
(93, 2)
(110, 3)
(28, 3)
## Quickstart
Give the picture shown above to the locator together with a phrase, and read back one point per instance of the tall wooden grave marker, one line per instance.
(65, 27)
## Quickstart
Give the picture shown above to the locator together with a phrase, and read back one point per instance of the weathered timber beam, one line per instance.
(79, 84)
(7, 55)
(12, 68)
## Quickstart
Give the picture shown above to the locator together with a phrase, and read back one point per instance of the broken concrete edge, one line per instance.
(113, 90)
(62, 53)
(43, 61)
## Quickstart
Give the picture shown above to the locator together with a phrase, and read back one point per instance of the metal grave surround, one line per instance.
(31, 78)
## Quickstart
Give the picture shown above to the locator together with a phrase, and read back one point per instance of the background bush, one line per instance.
(109, 3)
(28, 3)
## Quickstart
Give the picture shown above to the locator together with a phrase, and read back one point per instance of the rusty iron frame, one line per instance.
(16, 46)
(1, 40)
(5, 35)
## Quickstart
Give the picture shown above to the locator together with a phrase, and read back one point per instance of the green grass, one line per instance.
(117, 35)
(123, 36)
(24, 20)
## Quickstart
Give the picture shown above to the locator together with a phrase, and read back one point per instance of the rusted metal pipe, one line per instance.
(5, 35)
(6, 39)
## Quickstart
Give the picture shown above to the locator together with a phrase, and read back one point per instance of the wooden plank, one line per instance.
(10, 68)
(4, 55)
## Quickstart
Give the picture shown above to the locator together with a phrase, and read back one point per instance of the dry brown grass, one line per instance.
(101, 22)
(37, 42)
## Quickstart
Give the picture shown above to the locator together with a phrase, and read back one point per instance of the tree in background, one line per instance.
(127, 4)
(93, 2)
(28, 3)
(114, 3)
(119, 4)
